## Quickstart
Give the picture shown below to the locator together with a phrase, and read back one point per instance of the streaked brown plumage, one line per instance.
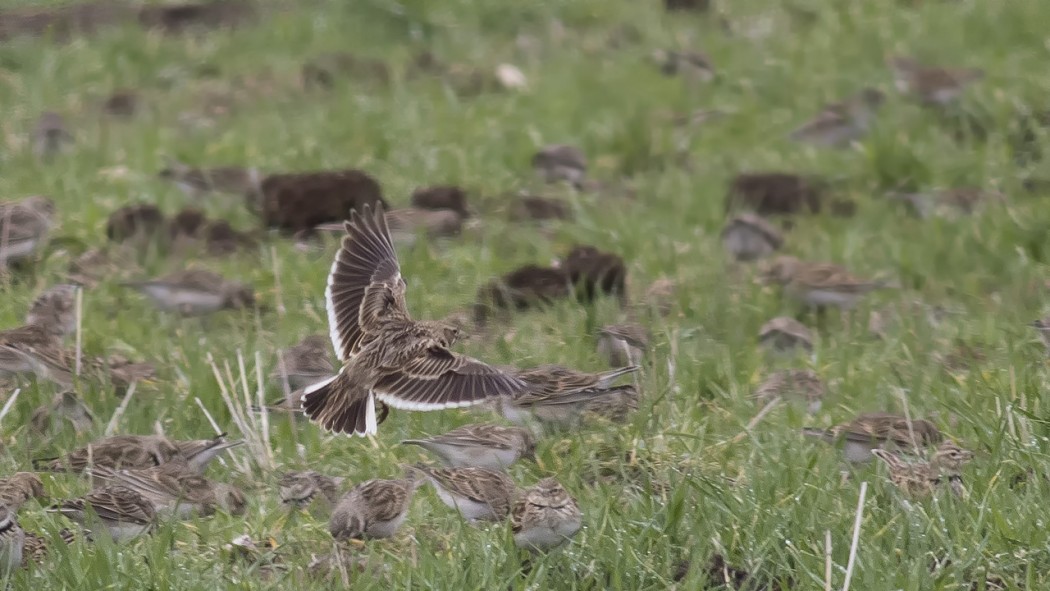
(818, 284)
(35, 349)
(545, 516)
(773, 193)
(120, 451)
(301, 201)
(557, 395)
(198, 182)
(140, 222)
(535, 208)
(593, 271)
(55, 310)
(305, 487)
(798, 383)
(18, 488)
(842, 123)
(404, 363)
(478, 494)
(36, 549)
(373, 509)
(442, 197)
(124, 513)
(24, 227)
(879, 430)
(784, 334)
(175, 488)
(195, 292)
(483, 445)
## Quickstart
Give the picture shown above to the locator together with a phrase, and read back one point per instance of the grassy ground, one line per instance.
(673, 484)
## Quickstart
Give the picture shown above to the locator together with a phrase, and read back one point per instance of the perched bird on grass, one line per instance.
(195, 292)
(545, 516)
(478, 494)
(840, 124)
(176, 489)
(817, 284)
(879, 430)
(792, 383)
(373, 509)
(18, 488)
(560, 162)
(55, 310)
(921, 478)
(306, 487)
(34, 349)
(123, 513)
(387, 355)
(484, 445)
(558, 395)
(24, 227)
(748, 237)
(784, 335)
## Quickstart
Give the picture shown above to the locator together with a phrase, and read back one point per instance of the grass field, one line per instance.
(685, 479)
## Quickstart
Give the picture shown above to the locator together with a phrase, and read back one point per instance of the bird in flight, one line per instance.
(386, 355)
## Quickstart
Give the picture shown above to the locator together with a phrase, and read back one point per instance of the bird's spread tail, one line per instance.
(341, 407)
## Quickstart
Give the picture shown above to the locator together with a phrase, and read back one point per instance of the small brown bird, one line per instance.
(623, 344)
(305, 363)
(484, 445)
(51, 136)
(478, 494)
(124, 513)
(784, 335)
(932, 85)
(17, 489)
(748, 237)
(593, 271)
(195, 292)
(36, 548)
(798, 383)
(558, 395)
(55, 310)
(545, 516)
(560, 162)
(919, 479)
(120, 451)
(840, 124)
(386, 354)
(374, 509)
(34, 349)
(12, 542)
(879, 431)
(819, 284)
(299, 489)
(24, 227)
(199, 182)
(176, 489)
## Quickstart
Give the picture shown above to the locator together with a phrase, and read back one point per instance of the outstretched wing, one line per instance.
(365, 281)
(438, 379)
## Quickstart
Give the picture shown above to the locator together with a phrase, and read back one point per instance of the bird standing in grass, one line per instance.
(386, 354)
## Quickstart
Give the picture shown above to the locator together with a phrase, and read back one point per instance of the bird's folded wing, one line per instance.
(441, 379)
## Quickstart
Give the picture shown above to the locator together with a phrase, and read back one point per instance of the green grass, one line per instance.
(764, 501)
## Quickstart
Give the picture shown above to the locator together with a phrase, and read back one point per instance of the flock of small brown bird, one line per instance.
(389, 360)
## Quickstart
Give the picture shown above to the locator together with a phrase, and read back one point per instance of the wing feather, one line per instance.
(440, 379)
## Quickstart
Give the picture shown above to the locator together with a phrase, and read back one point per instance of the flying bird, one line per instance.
(386, 355)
